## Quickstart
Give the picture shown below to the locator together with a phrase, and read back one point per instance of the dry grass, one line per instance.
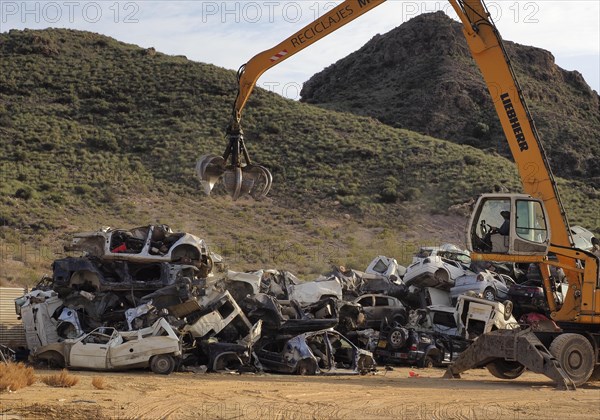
(98, 382)
(15, 376)
(61, 380)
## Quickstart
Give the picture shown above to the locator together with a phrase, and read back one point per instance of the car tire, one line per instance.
(397, 337)
(54, 360)
(503, 369)
(399, 320)
(227, 361)
(163, 364)
(365, 364)
(427, 362)
(575, 355)
(306, 367)
(489, 294)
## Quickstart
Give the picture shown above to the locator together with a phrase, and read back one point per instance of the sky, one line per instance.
(229, 33)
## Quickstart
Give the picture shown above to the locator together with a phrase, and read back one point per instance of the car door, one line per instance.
(91, 352)
(367, 303)
(504, 283)
(135, 350)
(132, 245)
(381, 309)
(342, 353)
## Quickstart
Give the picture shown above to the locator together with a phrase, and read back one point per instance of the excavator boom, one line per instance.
(240, 175)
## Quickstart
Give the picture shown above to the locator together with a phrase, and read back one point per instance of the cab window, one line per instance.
(531, 224)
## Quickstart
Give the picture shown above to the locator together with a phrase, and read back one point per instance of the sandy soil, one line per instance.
(393, 395)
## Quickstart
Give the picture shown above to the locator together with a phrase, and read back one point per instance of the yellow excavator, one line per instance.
(537, 230)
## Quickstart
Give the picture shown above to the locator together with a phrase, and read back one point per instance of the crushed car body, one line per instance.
(288, 317)
(378, 308)
(105, 348)
(224, 356)
(214, 315)
(38, 311)
(281, 284)
(486, 284)
(93, 274)
(319, 352)
(152, 243)
(437, 267)
(409, 346)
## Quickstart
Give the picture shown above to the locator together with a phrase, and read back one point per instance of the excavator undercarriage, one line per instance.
(507, 353)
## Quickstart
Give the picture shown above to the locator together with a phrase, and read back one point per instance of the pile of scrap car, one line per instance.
(152, 298)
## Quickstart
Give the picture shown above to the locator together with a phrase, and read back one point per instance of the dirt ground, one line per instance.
(393, 395)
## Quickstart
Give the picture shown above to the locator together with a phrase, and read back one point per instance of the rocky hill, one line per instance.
(420, 76)
(95, 132)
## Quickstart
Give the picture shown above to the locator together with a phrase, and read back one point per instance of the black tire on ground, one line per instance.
(489, 294)
(427, 362)
(397, 338)
(54, 359)
(306, 367)
(163, 364)
(575, 355)
(504, 369)
(365, 364)
(227, 361)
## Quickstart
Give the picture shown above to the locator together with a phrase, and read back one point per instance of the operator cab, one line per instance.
(513, 224)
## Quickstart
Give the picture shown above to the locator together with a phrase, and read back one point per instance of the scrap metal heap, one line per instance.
(153, 284)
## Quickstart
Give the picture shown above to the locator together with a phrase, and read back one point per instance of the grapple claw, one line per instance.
(240, 177)
(253, 180)
(233, 182)
(209, 169)
(261, 181)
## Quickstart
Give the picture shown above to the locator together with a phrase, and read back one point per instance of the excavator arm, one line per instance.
(333, 20)
(239, 174)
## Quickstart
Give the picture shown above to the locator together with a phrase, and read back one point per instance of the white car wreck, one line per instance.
(105, 348)
(470, 318)
(437, 267)
(283, 285)
(146, 244)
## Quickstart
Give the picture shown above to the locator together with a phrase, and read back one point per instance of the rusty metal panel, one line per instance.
(12, 333)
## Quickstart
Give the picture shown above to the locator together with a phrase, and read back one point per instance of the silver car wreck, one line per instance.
(146, 244)
(319, 352)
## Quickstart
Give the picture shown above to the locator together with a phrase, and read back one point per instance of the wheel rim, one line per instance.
(396, 338)
(575, 360)
(162, 364)
(488, 295)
